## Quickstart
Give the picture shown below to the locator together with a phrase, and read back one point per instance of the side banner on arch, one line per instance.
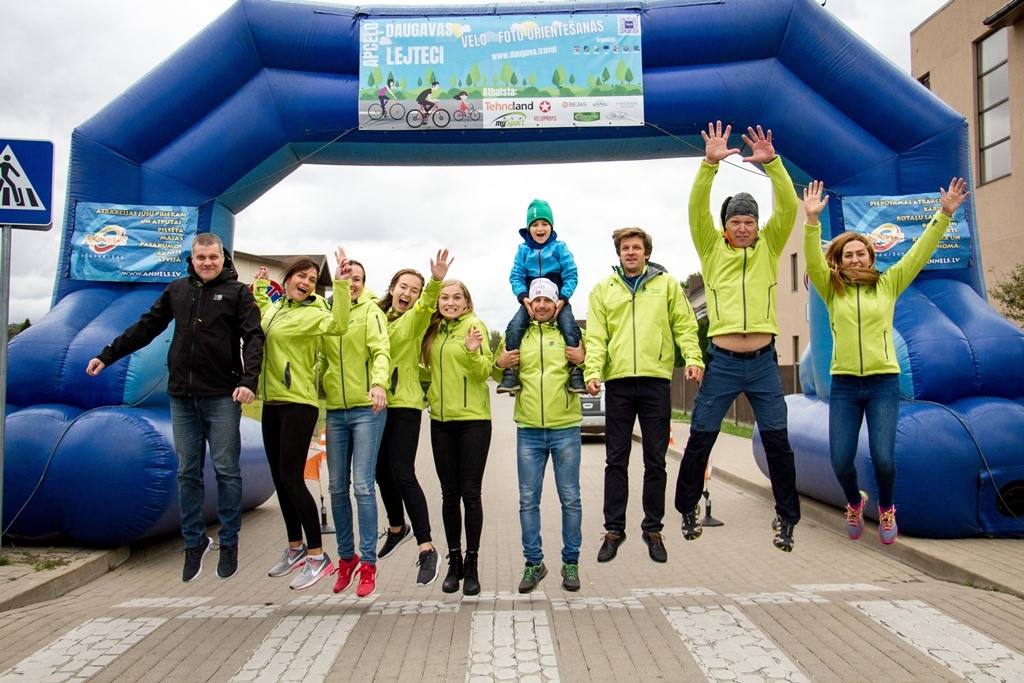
(122, 243)
(894, 223)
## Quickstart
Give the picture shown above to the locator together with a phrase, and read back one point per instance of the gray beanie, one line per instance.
(740, 204)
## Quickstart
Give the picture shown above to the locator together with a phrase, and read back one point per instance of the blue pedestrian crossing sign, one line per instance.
(26, 183)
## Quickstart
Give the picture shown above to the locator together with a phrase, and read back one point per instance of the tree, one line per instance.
(14, 328)
(1009, 291)
(494, 340)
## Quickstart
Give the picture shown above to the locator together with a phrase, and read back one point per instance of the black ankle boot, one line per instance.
(471, 586)
(451, 580)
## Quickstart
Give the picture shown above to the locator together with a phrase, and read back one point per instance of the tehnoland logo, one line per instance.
(586, 116)
(106, 239)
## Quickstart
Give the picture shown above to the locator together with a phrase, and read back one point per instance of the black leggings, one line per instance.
(396, 472)
(460, 454)
(287, 429)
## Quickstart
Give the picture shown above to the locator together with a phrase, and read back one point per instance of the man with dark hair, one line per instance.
(637, 316)
(427, 99)
(213, 366)
(740, 265)
(548, 421)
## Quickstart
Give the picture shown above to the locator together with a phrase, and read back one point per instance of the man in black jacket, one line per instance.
(213, 366)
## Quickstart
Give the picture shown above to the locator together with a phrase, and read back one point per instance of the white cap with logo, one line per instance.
(543, 287)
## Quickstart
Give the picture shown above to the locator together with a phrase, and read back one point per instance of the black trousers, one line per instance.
(627, 400)
(287, 429)
(460, 455)
(400, 490)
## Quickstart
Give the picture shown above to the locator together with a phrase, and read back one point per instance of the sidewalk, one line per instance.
(988, 563)
(993, 564)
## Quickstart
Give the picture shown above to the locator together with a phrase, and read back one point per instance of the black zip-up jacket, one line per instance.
(218, 341)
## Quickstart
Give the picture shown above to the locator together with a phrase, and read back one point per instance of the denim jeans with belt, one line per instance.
(194, 422)
(533, 446)
(353, 436)
(876, 397)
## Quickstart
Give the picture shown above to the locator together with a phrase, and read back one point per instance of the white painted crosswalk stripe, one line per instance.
(82, 652)
(511, 645)
(298, 649)
(963, 650)
(727, 646)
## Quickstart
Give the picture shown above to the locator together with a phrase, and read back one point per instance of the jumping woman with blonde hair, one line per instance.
(865, 372)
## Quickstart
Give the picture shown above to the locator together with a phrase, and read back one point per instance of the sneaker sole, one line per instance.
(290, 570)
(315, 580)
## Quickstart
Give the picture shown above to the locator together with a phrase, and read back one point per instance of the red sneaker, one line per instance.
(367, 580)
(346, 568)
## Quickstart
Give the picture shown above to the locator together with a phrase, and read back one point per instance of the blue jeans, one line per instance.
(194, 422)
(532, 449)
(353, 436)
(853, 398)
(566, 322)
(726, 376)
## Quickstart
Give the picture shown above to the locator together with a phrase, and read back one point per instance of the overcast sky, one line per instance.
(67, 59)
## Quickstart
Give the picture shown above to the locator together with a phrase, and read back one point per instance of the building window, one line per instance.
(994, 106)
(926, 80)
(796, 349)
(794, 268)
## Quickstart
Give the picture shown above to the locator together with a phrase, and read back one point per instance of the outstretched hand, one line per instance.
(954, 197)
(761, 148)
(716, 143)
(439, 266)
(344, 269)
(813, 203)
(262, 273)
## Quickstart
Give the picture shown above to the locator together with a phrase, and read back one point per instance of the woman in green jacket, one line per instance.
(865, 372)
(455, 351)
(408, 307)
(356, 372)
(288, 386)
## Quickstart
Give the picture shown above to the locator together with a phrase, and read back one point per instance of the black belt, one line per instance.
(743, 355)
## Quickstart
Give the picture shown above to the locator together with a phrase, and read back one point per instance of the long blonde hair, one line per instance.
(435, 321)
(841, 276)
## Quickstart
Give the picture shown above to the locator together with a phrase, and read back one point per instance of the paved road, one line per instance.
(727, 607)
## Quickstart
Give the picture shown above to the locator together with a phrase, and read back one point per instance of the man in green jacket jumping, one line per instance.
(548, 417)
(637, 317)
(740, 264)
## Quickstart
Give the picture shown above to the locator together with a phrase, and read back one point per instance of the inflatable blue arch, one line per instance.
(271, 85)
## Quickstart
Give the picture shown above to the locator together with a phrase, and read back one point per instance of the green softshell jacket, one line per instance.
(634, 333)
(293, 331)
(458, 378)
(354, 363)
(740, 283)
(861, 317)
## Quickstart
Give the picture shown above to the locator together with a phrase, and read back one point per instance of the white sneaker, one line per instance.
(291, 559)
(312, 571)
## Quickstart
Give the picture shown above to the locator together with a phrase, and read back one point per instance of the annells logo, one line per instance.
(885, 237)
(586, 116)
(106, 238)
(515, 119)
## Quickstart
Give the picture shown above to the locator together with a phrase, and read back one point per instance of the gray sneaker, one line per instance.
(532, 574)
(571, 576)
(427, 563)
(194, 560)
(291, 559)
(312, 571)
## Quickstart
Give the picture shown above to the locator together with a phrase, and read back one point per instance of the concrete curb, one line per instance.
(53, 583)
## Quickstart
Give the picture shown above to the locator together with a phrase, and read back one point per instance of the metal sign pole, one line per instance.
(5, 295)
